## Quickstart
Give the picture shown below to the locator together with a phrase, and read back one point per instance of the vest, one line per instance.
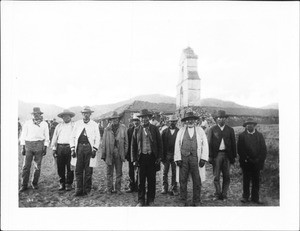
(146, 147)
(83, 138)
(189, 145)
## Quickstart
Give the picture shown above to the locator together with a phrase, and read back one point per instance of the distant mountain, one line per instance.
(51, 111)
(211, 102)
(271, 106)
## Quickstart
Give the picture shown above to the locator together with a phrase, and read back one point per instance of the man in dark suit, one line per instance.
(252, 152)
(222, 153)
(146, 153)
(132, 181)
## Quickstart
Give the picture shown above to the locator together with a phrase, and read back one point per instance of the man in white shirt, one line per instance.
(85, 141)
(191, 154)
(62, 151)
(34, 141)
(222, 153)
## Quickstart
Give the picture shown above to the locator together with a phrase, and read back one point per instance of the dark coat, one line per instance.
(214, 140)
(165, 140)
(129, 134)
(254, 151)
(155, 142)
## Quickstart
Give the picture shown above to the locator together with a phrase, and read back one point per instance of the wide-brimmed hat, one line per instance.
(144, 112)
(173, 118)
(37, 110)
(249, 121)
(221, 114)
(135, 117)
(114, 115)
(66, 112)
(189, 115)
(87, 109)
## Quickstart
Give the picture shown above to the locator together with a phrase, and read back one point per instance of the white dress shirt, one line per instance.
(191, 131)
(222, 145)
(33, 132)
(62, 134)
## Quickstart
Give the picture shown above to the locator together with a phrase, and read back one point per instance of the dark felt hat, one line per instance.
(144, 112)
(221, 114)
(114, 115)
(37, 110)
(249, 121)
(189, 115)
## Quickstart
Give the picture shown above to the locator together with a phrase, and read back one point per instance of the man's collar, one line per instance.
(222, 127)
(250, 132)
(86, 122)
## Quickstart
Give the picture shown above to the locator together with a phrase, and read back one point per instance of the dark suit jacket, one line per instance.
(129, 134)
(136, 143)
(214, 140)
(254, 152)
(165, 140)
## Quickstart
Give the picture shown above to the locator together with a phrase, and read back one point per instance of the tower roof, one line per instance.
(189, 53)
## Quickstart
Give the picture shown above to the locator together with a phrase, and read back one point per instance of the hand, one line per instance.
(158, 161)
(232, 161)
(136, 164)
(44, 150)
(93, 154)
(210, 160)
(54, 153)
(179, 163)
(23, 151)
(202, 163)
(73, 153)
(103, 158)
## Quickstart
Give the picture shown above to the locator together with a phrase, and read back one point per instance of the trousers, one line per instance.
(117, 166)
(34, 151)
(169, 162)
(221, 164)
(64, 164)
(251, 173)
(83, 171)
(132, 178)
(147, 173)
(190, 166)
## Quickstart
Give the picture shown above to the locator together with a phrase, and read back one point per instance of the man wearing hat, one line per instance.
(168, 141)
(114, 149)
(146, 153)
(34, 140)
(132, 181)
(62, 151)
(252, 154)
(222, 153)
(191, 154)
(84, 142)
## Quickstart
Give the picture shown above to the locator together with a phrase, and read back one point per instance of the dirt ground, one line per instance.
(48, 195)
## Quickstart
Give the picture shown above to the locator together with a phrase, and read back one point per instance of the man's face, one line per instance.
(144, 120)
(66, 118)
(250, 127)
(86, 115)
(115, 121)
(37, 116)
(172, 124)
(221, 121)
(190, 123)
(136, 123)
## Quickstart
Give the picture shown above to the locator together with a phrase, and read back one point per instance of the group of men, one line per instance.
(184, 150)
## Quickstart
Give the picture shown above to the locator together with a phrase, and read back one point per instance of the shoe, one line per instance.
(61, 187)
(68, 187)
(223, 198)
(113, 191)
(151, 203)
(119, 192)
(257, 202)
(34, 186)
(108, 192)
(129, 190)
(78, 194)
(174, 193)
(140, 204)
(23, 188)
(244, 200)
(87, 191)
(197, 204)
(164, 191)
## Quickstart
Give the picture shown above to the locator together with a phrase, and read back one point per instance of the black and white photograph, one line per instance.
(188, 109)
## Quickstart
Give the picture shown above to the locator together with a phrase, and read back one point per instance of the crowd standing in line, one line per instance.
(145, 144)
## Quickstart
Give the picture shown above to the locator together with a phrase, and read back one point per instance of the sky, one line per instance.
(93, 53)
